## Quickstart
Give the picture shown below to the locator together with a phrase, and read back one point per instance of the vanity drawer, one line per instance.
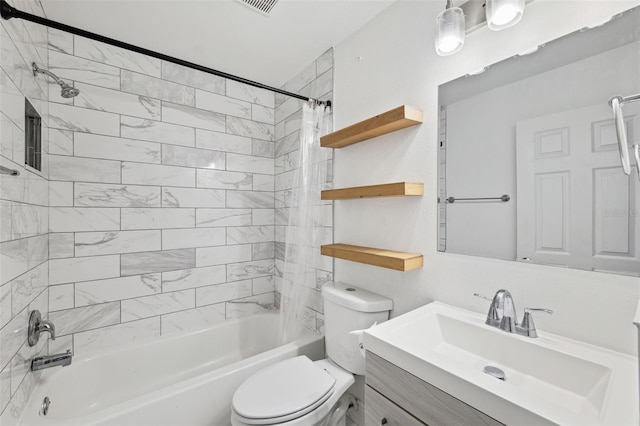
(424, 401)
(380, 411)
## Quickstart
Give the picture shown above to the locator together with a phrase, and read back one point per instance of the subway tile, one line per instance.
(74, 269)
(144, 85)
(78, 219)
(37, 250)
(6, 221)
(160, 304)
(5, 304)
(287, 162)
(193, 78)
(250, 94)
(85, 318)
(216, 179)
(61, 344)
(289, 143)
(284, 180)
(222, 255)
(303, 78)
(115, 289)
(108, 195)
(192, 197)
(61, 297)
(115, 242)
(5, 389)
(251, 164)
(222, 217)
(152, 174)
(28, 286)
(193, 319)
(157, 218)
(66, 168)
(11, 100)
(263, 250)
(106, 338)
(248, 128)
(101, 99)
(250, 234)
(322, 87)
(212, 294)
(289, 107)
(191, 278)
(114, 148)
(223, 142)
(191, 238)
(250, 199)
(222, 104)
(263, 182)
(263, 285)
(14, 259)
(263, 217)
(192, 117)
(192, 157)
(67, 117)
(60, 194)
(29, 220)
(250, 306)
(324, 62)
(252, 269)
(292, 123)
(158, 261)
(60, 142)
(69, 67)
(260, 148)
(117, 57)
(262, 114)
(156, 131)
(12, 337)
(279, 130)
(60, 41)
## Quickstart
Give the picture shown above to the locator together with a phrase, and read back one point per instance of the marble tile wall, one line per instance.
(162, 214)
(315, 81)
(24, 202)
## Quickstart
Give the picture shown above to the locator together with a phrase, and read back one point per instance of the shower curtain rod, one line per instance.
(8, 12)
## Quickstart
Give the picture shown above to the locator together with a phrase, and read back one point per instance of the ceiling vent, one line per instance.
(262, 6)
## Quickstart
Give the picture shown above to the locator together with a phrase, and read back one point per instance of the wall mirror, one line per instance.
(530, 168)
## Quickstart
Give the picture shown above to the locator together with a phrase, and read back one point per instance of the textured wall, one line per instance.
(162, 197)
(315, 81)
(24, 200)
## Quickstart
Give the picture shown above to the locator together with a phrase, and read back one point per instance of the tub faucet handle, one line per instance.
(37, 325)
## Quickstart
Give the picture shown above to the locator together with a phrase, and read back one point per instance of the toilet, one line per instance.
(298, 391)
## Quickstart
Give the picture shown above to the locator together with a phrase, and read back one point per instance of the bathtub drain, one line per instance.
(45, 406)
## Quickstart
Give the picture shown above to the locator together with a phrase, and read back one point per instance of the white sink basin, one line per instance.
(549, 380)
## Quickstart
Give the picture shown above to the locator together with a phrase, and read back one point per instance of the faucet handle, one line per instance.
(482, 296)
(527, 327)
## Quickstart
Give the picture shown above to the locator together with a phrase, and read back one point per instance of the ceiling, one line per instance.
(224, 34)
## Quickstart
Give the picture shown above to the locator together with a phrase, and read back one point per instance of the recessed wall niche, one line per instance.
(32, 137)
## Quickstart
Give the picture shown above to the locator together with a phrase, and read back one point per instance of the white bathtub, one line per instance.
(185, 379)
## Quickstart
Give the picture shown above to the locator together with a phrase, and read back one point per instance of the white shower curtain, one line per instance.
(304, 231)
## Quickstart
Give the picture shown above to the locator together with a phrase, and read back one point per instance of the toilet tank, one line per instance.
(348, 308)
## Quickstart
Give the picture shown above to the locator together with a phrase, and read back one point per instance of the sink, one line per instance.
(548, 380)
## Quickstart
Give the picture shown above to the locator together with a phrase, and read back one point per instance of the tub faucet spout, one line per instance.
(48, 361)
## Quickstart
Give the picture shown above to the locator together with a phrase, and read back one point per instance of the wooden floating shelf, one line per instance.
(371, 191)
(397, 260)
(390, 121)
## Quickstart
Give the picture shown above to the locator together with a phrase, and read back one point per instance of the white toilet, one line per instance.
(298, 391)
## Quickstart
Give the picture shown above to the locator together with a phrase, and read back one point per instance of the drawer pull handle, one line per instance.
(384, 421)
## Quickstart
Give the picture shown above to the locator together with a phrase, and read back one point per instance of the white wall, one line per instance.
(481, 143)
(391, 62)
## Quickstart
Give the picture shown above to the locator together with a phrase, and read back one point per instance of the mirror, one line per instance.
(529, 161)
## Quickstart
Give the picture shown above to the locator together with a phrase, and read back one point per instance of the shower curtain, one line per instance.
(304, 231)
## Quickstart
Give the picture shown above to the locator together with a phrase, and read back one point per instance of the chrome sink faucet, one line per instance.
(502, 314)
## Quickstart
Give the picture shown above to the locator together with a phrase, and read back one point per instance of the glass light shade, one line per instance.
(450, 31)
(503, 14)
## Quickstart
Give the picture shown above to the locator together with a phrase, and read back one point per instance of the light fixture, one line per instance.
(503, 14)
(450, 30)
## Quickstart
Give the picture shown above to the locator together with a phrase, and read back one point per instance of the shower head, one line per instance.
(67, 90)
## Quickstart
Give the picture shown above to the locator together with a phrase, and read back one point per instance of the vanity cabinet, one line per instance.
(395, 397)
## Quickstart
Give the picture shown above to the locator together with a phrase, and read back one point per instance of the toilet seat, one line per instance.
(284, 391)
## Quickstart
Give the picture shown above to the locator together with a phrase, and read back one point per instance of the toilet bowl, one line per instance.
(298, 391)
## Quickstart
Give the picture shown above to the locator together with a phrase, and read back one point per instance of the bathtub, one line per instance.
(184, 379)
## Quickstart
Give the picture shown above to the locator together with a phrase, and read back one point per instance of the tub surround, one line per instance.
(24, 201)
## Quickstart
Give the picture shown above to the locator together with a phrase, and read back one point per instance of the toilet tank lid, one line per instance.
(355, 298)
